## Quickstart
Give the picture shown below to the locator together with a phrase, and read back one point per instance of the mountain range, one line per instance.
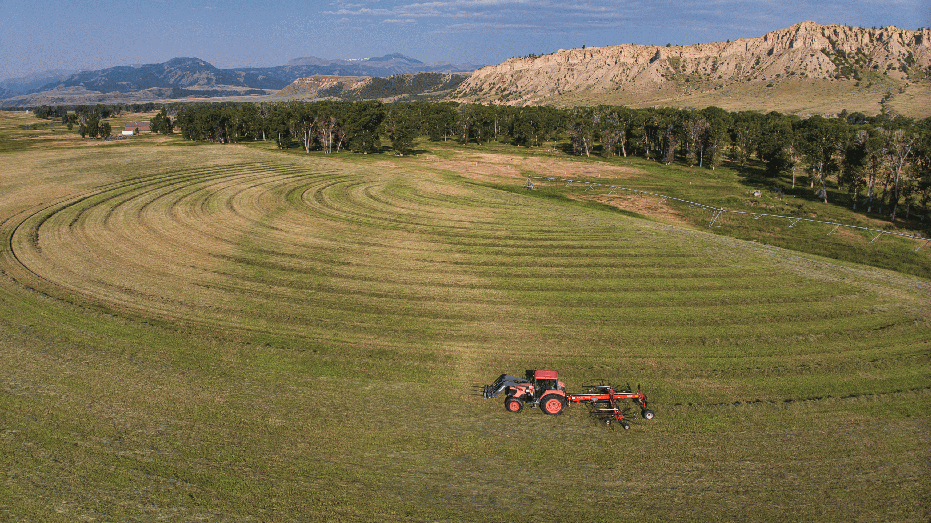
(193, 77)
(804, 69)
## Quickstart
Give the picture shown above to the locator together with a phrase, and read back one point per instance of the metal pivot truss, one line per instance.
(717, 212)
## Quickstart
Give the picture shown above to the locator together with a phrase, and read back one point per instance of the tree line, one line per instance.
(881, 163)
(89, 119)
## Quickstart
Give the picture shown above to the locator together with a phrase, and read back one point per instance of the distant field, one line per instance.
(237, 333)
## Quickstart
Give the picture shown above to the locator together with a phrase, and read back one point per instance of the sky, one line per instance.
(38, 36)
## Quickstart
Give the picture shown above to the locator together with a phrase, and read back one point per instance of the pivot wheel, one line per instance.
(512, 404)
(552, 404)
(647, 414)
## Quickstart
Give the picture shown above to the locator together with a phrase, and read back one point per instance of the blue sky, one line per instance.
(43, 35)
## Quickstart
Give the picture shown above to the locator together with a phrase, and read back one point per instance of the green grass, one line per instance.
(236, 333)
(731, 187)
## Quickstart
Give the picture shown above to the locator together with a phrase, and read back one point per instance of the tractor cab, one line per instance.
(544, 381)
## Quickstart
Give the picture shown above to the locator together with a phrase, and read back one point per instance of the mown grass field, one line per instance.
(233, 333)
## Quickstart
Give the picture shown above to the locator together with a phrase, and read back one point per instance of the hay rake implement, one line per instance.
(542, 389)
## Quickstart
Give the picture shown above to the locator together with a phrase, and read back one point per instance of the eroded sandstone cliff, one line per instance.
(804, 51)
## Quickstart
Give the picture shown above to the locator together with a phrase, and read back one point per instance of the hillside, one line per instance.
(181, 78)
(799, 69)
(401, 87)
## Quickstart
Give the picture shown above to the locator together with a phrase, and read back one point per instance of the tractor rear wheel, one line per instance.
(552, 404)
(512, 404)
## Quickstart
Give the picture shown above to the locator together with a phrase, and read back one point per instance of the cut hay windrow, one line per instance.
(242, 333)
(281, 247)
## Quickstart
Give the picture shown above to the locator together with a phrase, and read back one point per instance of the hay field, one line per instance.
(230, 333)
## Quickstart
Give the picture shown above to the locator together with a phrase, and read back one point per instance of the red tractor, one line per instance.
(542, 388)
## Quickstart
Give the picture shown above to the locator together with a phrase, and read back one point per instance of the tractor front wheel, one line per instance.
(512, 404)
(552, 404)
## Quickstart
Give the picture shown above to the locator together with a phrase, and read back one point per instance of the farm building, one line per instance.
(132, 128)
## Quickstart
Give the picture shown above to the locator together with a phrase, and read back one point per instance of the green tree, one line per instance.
(901, 145)
(464, 122)
(161, 123)
(581, 130)
(821, 139)
(716, 136)
(441, 121)
(402, 127)
(776, 145)
(746, 133)
(69, 120)
(361, 122)
(92, 127)
(279, 120)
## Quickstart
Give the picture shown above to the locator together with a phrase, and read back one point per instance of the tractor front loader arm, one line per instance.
(502, 383)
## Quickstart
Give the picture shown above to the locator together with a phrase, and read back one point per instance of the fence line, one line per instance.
(718, 211)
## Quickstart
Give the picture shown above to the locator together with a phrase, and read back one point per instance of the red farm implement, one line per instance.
(542, 388)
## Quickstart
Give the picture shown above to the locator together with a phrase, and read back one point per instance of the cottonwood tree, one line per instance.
(696, 131)
(402, 128)
(821, 139)
(92, 127)
(441, 121)
(279, 125)
(303, 124)
(612, 124)
(361, 122)
(921, 167)
(861, 164)
(329, 132)
(69, 120)
(161, 123)
(745, 134)
(581, 130)
(464, 122)
(777, 145)
(716, 136)
(900, 147)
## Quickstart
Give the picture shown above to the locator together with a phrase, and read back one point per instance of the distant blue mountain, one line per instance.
(185, 73)
(32, 82)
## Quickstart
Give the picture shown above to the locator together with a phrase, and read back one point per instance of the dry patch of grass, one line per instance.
(651, 206)
(500, 167)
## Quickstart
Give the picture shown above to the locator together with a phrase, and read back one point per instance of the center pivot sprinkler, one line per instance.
(542, 388)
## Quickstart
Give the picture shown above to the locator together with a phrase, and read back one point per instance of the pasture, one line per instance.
(235, 333)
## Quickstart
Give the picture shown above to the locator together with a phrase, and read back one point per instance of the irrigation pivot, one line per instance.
(718, 211)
